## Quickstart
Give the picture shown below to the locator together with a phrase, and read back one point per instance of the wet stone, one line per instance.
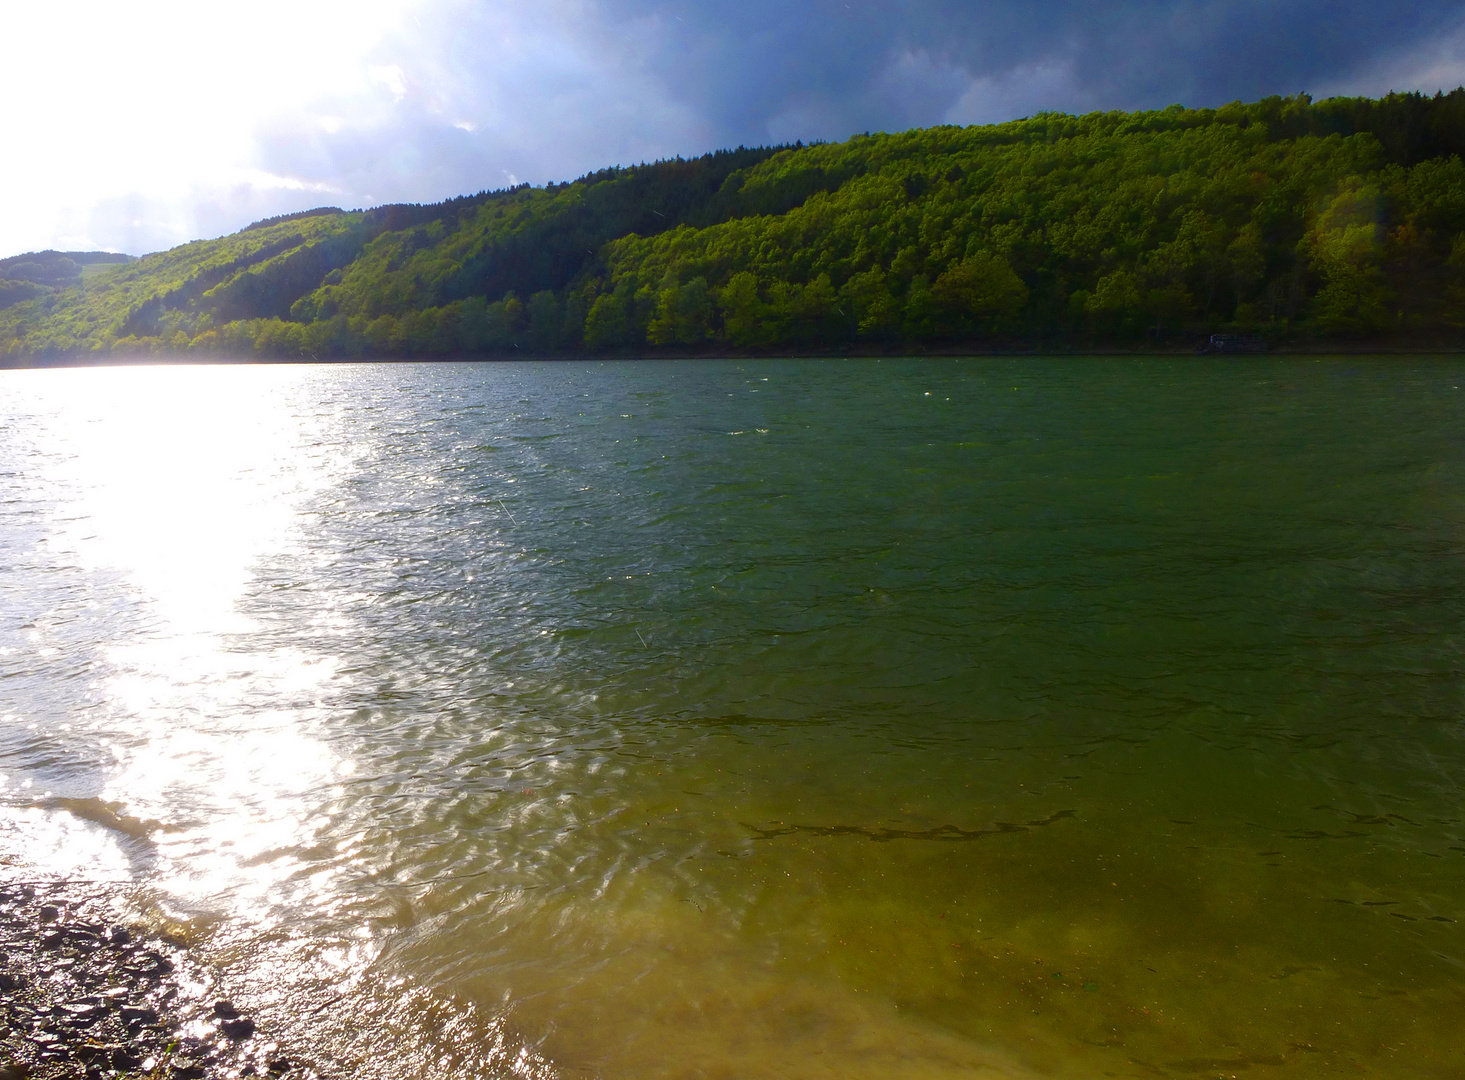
(82, 1012)
(152, 965)
(85, 998)
(238, 1028)
(122, 1058)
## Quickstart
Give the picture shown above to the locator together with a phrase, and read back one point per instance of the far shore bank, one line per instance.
(1176, 352)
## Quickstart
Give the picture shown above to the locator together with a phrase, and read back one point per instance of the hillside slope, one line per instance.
(1285, 218)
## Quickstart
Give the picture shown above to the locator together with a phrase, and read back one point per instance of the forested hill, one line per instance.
(1296, 221)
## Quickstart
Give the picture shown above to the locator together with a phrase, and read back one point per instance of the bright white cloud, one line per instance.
(163, 120)
(392, 77)
(471, 93)
(154, 105)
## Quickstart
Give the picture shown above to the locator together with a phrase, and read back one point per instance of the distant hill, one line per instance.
(40, 273)
(53, 269)
(1288, 220)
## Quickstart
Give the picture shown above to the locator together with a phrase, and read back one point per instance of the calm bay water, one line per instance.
(921, 719)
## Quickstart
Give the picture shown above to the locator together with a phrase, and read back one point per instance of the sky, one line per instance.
(135, 127)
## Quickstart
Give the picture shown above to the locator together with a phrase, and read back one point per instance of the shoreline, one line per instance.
(1186, 352)
(86, 995)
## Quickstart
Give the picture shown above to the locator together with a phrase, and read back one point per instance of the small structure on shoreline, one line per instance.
(1234, 343)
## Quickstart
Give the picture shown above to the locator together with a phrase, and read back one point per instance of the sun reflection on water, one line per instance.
(185, 477)
(175, 484)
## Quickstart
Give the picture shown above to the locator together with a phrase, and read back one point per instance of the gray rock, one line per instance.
(81, 1012)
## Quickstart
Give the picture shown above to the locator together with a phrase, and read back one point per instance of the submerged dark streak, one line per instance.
(947, 833)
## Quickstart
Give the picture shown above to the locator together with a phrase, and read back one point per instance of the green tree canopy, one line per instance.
(1285, 217)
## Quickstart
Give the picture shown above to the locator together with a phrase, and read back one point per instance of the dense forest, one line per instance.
(1293, 221)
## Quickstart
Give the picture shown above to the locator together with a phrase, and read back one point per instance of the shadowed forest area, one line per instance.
(1297, 221)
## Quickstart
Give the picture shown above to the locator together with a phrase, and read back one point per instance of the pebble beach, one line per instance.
(84, 996)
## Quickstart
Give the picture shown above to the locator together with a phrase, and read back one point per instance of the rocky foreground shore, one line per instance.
(83, 996)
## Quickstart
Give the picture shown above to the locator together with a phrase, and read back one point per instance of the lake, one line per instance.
(1006, 717)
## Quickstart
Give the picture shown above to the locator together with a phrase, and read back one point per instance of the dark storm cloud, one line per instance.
(849, 65)
(485, 93)
(460, 95)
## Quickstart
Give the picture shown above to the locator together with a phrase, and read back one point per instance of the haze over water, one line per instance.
(920, 719)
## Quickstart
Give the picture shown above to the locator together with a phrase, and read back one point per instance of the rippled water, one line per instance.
(918, 719)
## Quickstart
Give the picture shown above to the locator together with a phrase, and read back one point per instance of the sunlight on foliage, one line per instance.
(1286, 218)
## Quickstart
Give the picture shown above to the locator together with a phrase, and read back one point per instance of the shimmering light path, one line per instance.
(1055, 718)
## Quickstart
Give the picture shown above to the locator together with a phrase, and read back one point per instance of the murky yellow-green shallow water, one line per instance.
(894, 719)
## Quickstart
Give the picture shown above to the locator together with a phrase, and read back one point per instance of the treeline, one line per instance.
(1287, 218)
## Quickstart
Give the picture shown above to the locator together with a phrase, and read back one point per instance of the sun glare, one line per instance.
(164, 100)
(176, 485)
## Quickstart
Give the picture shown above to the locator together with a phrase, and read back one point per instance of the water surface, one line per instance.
(942, 718)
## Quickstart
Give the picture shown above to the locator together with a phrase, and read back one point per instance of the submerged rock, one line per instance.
(238, 1028)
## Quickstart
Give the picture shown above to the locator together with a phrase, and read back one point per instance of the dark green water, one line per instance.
(1002, 717)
